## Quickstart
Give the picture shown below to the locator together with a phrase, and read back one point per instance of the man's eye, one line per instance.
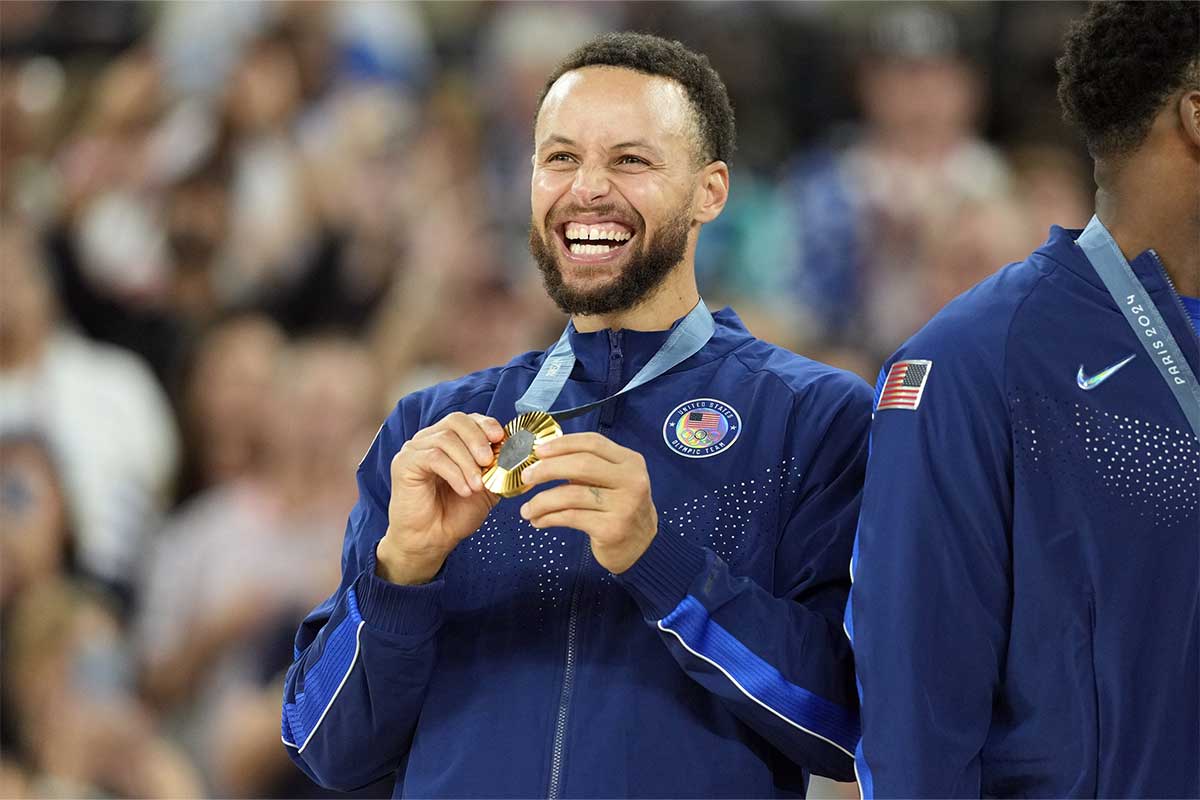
(631, 160)
(560, 157)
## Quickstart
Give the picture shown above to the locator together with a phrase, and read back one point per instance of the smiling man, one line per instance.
(661, 615)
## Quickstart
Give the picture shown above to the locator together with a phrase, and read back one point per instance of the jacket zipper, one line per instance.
(1174, 292)
(564, 699)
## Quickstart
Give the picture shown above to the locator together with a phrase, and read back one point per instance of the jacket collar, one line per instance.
(1060, 247)
(593, 351)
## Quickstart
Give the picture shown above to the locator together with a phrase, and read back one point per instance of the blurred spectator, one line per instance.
(860, 211)
(108, 423)
(369, 192)
(110, 248)
(226, 401)
(240, 561)
(67, 684)
(273, 216)
(192, 222)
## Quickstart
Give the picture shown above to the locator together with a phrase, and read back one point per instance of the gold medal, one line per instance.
(514, 454)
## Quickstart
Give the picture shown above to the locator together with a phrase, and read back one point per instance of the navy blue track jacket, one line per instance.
(1026, 607)
(713, 667)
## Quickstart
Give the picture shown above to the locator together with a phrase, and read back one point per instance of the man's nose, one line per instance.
(590, 184)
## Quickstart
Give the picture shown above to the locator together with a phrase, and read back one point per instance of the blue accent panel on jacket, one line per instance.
(862, 771)
(691, 622)
(285, 733)
(879, 381)
(1192, 305)
(322, 681)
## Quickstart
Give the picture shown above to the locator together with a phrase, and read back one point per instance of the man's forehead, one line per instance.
(600, 97)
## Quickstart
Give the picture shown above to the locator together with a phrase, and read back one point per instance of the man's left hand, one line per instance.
(608, 496)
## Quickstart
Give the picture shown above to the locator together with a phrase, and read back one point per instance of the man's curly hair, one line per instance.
(652, 55)
(1122, 61)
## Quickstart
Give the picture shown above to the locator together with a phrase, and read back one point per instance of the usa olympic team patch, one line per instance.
(701, 428)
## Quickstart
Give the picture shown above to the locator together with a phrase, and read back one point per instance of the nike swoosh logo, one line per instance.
(1088, 383)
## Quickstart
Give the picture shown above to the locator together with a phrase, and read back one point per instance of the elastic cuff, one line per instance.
(402, 610)
(660, 579)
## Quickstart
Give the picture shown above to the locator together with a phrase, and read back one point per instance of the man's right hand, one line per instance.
(438, 497)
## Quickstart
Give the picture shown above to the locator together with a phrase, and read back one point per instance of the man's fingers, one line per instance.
(448, 444)
(585, 468)
(560, 498)
(593, 443)
(438, 463)
(491, 428)
(477, 432)
(472, 435)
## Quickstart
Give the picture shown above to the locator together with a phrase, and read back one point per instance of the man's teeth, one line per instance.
(589, 249)
(596, 232)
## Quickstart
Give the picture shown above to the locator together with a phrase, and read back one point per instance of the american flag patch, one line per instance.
(702, 420)
(904, 385)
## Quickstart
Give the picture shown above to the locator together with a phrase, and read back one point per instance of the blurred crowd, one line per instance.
(232, 235)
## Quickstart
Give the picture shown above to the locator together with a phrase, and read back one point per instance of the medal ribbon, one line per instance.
(692, 333)
(1143, 316)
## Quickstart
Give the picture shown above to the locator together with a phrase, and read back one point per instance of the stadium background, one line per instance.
(234, 234)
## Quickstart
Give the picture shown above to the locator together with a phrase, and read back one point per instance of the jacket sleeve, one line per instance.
(929, 608)
(776, 657)
(363, 657)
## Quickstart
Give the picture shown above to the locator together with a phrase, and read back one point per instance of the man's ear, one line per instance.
(713, 191)
(1189, 116)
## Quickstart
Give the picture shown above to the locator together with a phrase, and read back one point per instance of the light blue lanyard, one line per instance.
(1142, 315)
(684, 342)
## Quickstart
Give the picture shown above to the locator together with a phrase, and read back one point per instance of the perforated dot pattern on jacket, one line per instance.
(732, 518)
(1155, 467)
(508, 556)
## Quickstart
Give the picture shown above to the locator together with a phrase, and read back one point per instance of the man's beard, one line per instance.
(645, 271)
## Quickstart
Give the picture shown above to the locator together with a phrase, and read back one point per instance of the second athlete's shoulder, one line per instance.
(806, 380)
(975, 327)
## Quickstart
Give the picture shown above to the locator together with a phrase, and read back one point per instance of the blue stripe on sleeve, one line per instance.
(862, 772)
(324, 680)
(285, 733)
(758, 680)
(848, 625)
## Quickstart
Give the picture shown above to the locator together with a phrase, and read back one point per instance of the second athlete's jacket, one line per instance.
(715, 666)
(1026, 607)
